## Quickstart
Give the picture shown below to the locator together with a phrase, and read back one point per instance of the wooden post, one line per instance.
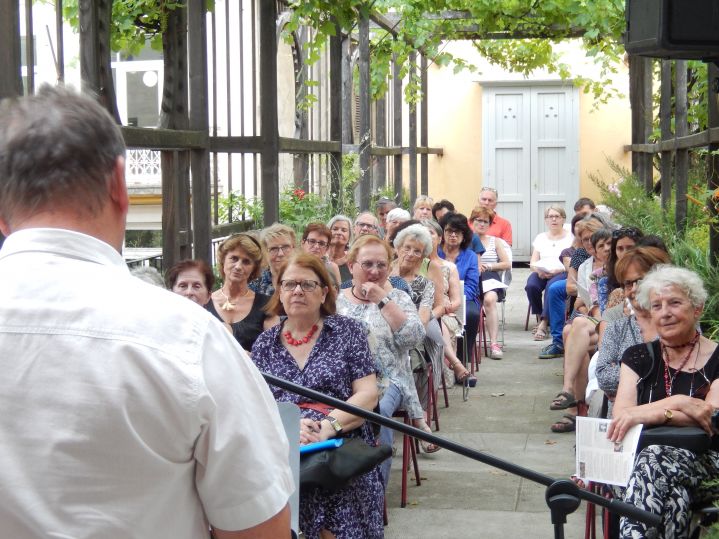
(681, 129)
(347, 91)
(412, 135)
(640, 97)
(665, 125)
(336, 100)
(365, 135)
(268, 112)
(199, 121)
(95, 70)
(713, 160)
(59, 42)
(29, 48)
(11, 79)
(176, 243)
(424, 137)
(301, 161)
(379, 175)
(397, 126)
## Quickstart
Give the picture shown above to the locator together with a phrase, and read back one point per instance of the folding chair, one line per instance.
(290, 416)
(462, 318)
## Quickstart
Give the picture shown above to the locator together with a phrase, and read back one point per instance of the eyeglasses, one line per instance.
(630, 284)
(306, 285)
(367, 265)
(284, 248)
(627, 232)
(407, 250)
(318, 243)
(481, 221)
(453, 232)
(368, 226)
(554, 217)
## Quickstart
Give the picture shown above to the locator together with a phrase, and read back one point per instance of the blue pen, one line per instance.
(332, 443)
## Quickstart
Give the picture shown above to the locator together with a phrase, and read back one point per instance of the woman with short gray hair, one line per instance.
(341, 229)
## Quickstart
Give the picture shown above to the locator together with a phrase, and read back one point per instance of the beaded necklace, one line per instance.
(668, 378)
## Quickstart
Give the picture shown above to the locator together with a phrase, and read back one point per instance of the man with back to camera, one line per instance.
(128, 411)
(500, 227)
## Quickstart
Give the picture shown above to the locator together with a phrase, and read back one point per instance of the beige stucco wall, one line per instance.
(455, 124)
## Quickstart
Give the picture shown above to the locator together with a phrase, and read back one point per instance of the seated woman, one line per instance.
(315, 241)
(633, 328)
(446, 310)
(623, 239)
(413, 245)
(456, 239)
(671, 381)
(494, 260)
(239, 258)
(394, 328)
(279, 242)
(191, 278)
(329, 353)
(546, 264)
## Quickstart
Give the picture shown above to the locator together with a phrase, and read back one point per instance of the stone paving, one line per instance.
(508, 416)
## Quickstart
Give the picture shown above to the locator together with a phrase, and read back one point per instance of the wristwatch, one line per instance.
(335, 424)
(668, 415)
(384, 301)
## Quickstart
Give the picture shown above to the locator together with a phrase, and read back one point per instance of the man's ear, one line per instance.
(4, 228)
(118, 187)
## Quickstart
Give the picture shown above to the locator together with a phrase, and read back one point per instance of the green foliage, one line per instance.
(239, 208)
(632, 206)
(134, 22)
(298, 208)
(423, 26)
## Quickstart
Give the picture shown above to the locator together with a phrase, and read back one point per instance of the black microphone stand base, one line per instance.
(562, 500)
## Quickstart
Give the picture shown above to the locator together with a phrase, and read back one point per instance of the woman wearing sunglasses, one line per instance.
(316, 348)
(394, 328)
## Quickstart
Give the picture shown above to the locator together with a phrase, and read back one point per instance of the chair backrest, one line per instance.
(290, 415)
(506, 275)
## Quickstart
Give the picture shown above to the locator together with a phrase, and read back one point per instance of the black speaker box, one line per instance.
(677, 29)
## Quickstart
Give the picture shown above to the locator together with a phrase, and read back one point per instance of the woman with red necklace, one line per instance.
(672, 381)
(329, 353)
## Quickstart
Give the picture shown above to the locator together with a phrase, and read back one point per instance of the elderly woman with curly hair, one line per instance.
(239, 259)
(670, 381)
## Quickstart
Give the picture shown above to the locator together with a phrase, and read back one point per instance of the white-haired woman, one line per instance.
(341, 229)
(673, 381)
(395, 218)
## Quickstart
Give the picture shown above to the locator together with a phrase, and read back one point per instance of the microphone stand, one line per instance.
(562, 495)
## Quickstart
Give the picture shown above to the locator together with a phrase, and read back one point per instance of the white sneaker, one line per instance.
(495, 351)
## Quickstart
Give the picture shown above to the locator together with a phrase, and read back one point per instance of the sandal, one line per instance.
(464, 375)
(565, 426)
(428, 448)
(540, 335)
(563, 401)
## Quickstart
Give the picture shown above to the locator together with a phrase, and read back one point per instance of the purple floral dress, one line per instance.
(340, 356)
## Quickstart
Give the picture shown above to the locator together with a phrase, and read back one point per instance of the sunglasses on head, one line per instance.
(627, 232)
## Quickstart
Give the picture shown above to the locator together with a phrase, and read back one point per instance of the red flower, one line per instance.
(299, 193)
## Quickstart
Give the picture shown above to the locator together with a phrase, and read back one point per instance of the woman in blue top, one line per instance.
(456, 239)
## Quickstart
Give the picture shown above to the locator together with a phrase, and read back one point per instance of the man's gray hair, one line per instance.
(666, 275)
(416, 232)
(57, 147)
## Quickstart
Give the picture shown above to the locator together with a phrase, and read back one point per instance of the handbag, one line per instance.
(332, 469)
(693, 439)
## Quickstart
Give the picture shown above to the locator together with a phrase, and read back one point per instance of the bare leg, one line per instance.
(491, 318)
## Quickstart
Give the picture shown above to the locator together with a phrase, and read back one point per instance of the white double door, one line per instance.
(530, 154)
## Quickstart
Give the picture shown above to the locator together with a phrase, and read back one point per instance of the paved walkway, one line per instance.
(507, 415)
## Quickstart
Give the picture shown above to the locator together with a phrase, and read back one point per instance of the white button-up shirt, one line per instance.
(125, 410)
